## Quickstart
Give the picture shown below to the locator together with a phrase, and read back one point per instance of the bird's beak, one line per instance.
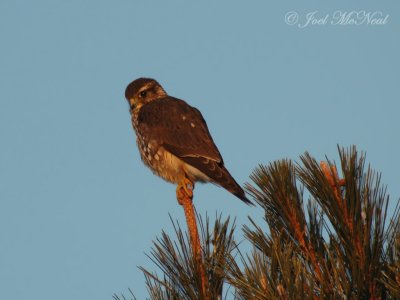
(132, 103)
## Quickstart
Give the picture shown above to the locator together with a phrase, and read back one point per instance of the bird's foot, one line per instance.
(184, 190)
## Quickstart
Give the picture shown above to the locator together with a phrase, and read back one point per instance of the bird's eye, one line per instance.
(143, 94)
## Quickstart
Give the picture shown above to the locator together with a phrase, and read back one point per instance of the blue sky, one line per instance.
(78, 209)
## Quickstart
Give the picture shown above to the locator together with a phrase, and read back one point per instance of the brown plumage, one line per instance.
(173, 138)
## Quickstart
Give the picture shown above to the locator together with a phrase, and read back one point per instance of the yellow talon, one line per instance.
(185, 189)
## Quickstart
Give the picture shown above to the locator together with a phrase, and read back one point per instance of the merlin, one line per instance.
(174, 140)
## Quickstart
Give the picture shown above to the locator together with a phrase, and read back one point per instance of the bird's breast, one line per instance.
(161, 162)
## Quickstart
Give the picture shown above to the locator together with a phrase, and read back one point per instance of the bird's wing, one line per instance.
(179, 128)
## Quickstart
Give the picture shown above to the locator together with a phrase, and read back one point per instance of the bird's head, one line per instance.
(142, 91)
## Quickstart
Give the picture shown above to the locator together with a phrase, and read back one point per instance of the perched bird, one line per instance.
(173, 139)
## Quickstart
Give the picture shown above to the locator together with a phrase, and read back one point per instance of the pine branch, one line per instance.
(336, 250)
(391, 276)
(357, 212)
(177, 262)
(334, 244)
(282, 200)
(132, 297)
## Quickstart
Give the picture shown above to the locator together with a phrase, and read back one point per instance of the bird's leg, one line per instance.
(184, 195)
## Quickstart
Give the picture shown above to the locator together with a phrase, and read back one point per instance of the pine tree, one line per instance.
(324, 236)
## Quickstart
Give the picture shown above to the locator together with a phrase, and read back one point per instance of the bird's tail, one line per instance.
(230, 184)
(219, 175)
